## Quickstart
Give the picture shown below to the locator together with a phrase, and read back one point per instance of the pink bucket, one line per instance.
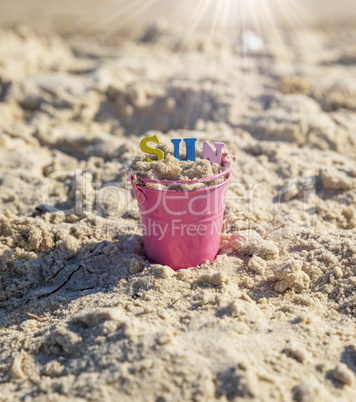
(181, 229)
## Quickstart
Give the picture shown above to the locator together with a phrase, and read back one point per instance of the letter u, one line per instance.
(190, 147)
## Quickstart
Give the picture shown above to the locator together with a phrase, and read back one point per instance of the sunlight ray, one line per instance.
(214, 25)
(274, 31)
(199, 14)
(124, 15)
(297, 24)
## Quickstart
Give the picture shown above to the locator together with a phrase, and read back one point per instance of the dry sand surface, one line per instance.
(83, 314)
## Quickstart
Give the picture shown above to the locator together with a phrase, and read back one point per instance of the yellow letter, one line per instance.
(145, 148)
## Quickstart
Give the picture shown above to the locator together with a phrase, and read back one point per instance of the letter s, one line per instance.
(149, 150)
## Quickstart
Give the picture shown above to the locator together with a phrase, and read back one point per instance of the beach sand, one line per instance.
(83, 314)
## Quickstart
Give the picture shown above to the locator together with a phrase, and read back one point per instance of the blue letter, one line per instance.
(190, 147)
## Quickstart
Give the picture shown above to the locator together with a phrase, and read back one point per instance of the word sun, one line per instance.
(208, 152)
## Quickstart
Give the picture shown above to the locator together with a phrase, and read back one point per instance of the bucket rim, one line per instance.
(145, 188)
(223, 173)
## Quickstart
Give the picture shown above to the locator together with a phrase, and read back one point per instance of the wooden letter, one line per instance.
(149, 150)
(208, 153)
(190, 147)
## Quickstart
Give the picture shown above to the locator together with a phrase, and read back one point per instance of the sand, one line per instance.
(83, 314)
